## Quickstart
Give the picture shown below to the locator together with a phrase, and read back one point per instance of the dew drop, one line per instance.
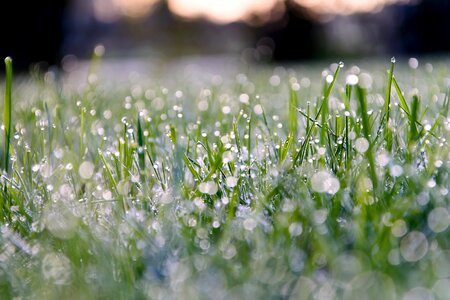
(352, 79)
(231, 181)
(414, 246)
(208, 187)
(324, 182)
(438, 219)
(361, 145)
(86, 170)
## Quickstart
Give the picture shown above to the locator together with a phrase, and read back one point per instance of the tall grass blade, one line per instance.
(413, 133)
(387, 132)
(141, 146)
(293, 104)
(367, 135)
(323, 110)
(7, 113)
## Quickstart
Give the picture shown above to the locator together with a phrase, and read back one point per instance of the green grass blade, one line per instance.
(293, 104)
(367, 135)
(7, 112)
(323, 110)
(141, 146)
(413, 133)
(387, 130)
(388, 91)
(402, 102)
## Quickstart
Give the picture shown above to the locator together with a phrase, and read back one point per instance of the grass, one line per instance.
(274, 183)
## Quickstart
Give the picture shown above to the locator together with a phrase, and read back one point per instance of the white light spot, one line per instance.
(352, 79)
(324, 182)
(258, 109)
(226, 109)
(275, 80)
(438, 219)
(361, 145)
(208, 187)
(396, 170)
(329, 78)
(414, 246)
(249, 224)
(413, 63)
(365, 80)
(86, 170)
(231, 181)
(244, 98)
(56, 268)
(399, 228)
(382, 159)
(295, 229)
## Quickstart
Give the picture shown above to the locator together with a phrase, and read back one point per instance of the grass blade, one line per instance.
(293, 104)
(367, 134)
(7, 113)
(141, 146)
(323, 110)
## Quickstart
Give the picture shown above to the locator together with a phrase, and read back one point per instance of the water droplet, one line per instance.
(231, 181)
(324, 182)
(275, 80)
(393, 59)
(329, 78)
(295, 229)
(86, 170)
(441, 263)
(438, 219)
(396, 170)
(341, 64)
(414, 246)
(442, 288)
(249, 224)
(203, 105)
(244, 98)
(399, 228)
(56, 268)
(418, 293)
(99, 50)
(257, 109)
(382, 159)
(361, 145)
(352, 79)
(208, 187)
(413, 63)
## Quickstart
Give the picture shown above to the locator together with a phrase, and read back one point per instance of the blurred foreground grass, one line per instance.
(235, 183)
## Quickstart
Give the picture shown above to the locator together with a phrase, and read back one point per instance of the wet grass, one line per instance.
(274, 183)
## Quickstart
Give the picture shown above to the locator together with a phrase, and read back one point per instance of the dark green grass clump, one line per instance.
(283, 183)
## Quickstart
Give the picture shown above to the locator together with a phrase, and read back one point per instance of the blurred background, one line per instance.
(256, 30)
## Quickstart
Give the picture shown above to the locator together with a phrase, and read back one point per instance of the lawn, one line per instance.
(239, 181)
